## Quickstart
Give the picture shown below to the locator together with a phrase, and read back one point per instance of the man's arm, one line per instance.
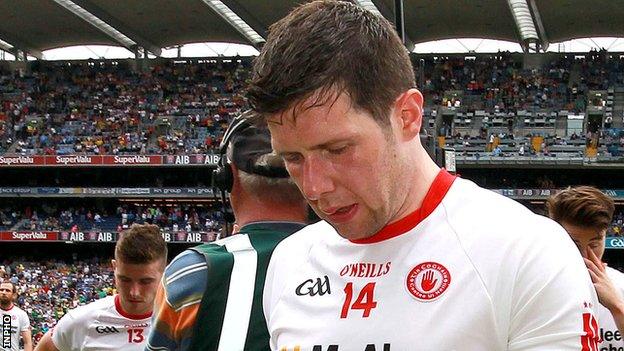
(608, 295)
(177, 303)
(554, 300)
(27, 338)
(46, 344)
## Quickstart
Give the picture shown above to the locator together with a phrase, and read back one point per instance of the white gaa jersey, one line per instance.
(609, 333)
(470, 270)
(101, 325)
(14, 322)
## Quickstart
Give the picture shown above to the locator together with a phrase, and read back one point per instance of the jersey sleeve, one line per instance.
(553, 299)
(177, 302)
(25, 322)
(63, 334)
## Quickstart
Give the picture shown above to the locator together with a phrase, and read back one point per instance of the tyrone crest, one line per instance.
(428, 281)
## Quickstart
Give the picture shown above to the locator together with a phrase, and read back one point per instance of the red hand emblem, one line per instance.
(428, 282)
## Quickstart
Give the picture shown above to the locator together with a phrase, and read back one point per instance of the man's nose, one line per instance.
(317, 178)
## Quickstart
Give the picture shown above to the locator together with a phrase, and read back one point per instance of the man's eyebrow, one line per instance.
(324, 145)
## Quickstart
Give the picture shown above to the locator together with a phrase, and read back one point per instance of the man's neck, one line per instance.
(251, 212)
(7, 306)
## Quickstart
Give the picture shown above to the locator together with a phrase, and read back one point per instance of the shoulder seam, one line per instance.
(461, 245)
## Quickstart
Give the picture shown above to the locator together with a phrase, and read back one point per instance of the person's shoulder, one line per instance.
(185, 277)
(473, 210)
(86, 313)
(492, 228)
(19, 311)
(304, 239)
(616, 276)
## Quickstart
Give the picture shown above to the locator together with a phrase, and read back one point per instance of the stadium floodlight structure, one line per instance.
(4, 46)
(399, 21)
(525, 24)
(237, 22)
(18, 47)
(370, 6)
(84, 9)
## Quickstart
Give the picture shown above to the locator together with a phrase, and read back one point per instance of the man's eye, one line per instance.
(292, 158)
(338, 150)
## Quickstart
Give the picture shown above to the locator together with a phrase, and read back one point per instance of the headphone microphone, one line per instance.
(222, 176)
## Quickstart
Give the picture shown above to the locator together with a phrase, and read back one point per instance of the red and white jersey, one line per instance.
(14, 321)
(469, 270)
(609, 333)
(101, 325)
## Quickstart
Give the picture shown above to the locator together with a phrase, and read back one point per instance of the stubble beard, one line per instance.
(5, 303)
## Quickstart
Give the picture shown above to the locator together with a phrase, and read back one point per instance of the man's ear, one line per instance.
(409, 106)
(235, 179)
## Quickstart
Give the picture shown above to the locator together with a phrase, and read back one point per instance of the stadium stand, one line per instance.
(559, 114)
(106, 108)
(48, 217)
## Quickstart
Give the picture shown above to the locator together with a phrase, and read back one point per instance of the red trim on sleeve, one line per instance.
(440, 186)
(121, 311)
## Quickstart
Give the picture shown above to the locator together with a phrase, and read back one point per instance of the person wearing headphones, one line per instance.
(210, 297)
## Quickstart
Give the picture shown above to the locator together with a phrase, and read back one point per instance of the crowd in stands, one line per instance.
(105, 107)
(617, 226)
(49, 288)
(498, 83)
(49, 217)
(506, 144)
(108, 108)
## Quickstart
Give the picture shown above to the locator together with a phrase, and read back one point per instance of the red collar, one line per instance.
(440, 186)
(121, 311)
(8, 309)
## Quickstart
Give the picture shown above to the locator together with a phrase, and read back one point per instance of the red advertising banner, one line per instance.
(88, 236)
(208, 159)
(28, 236)
(109, 160)
(22, 160)
(132, 160)
(73, 160)
(106, 237)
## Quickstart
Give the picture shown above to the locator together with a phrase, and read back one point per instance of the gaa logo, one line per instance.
(427, 281)
(106, 329)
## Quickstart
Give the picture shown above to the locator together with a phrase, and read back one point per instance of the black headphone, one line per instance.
(222, 177)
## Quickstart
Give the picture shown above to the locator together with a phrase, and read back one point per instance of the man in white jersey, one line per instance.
(14, 322)
(586, 212)
(408, 257)
(121, 322)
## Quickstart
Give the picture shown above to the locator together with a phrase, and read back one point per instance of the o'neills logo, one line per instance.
(365, 270)
(427, 281)
(137, 159)
(29, 236)
(17, 160)
(73, 160)
(6, 331)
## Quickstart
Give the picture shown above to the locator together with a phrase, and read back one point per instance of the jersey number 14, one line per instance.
(365, 300)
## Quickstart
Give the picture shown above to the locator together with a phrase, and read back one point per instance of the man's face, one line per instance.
(6, 294)
(136, 285)
(348, 169)
(587, 238)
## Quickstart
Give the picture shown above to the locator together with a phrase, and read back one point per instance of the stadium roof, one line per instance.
(37, 25)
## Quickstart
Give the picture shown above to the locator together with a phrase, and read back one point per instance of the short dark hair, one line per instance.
(141, 244)
(583, 206)
(330, 47)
